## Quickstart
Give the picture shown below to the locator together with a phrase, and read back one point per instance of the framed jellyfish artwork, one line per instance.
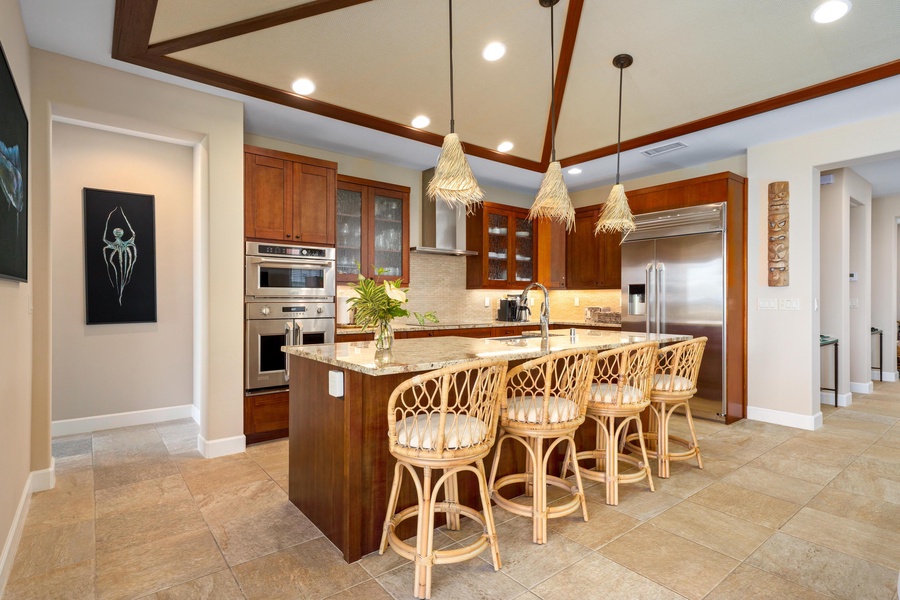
(13, 178)
(119, 257)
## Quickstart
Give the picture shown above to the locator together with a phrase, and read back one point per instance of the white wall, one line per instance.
(858, 193)
(117, 368)
(66, 89)
(783, 349)
(834, 264)
(885, 212)
(15, 331)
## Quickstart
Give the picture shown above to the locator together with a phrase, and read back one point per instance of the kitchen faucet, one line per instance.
(545, 309)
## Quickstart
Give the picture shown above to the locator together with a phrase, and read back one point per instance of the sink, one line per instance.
(525, 336)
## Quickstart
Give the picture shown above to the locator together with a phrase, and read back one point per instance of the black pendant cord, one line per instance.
(452, 122)
(619, 135)
(552, 92)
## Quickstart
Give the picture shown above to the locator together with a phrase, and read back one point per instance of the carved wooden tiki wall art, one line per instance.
(779, 232)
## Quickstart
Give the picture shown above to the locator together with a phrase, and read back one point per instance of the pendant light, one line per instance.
(615, 216)
(453, 181)
(552, 200)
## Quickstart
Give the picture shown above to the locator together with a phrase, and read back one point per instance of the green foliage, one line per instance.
(376, 302)
(429, 316)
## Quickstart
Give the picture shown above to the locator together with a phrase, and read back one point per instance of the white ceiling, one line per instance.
(786, 57)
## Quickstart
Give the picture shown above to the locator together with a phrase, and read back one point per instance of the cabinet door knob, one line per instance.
(287, 235)
(297, 236)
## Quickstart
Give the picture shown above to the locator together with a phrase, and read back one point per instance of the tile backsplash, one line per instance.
(439, 284)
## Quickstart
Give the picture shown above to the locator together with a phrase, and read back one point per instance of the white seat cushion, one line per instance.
(681, 384)
(530, 409)
(421, 431)
(606, 392)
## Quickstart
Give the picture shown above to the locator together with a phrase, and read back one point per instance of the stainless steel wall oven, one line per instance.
(289, 301)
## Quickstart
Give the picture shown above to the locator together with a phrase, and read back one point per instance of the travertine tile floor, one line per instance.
(776, 513)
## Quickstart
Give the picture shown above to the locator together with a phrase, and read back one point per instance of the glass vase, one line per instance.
(384, 335)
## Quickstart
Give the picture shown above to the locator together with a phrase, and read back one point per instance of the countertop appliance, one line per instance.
(673, 281)
(513, 308)
(271, 325)
(284, 271)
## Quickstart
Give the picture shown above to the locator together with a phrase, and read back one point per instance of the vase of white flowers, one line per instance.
(377, 305)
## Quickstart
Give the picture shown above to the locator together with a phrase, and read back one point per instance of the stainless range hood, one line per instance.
(439, 225)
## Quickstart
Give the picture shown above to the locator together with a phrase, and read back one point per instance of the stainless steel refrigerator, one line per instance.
(673, 281)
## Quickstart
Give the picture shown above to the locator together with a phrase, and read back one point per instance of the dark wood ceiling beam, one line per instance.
(567, 49)
(217, 34)
(132, 24)
(812, 92)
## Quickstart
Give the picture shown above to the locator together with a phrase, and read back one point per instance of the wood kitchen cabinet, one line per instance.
(506, 242)
(266, 416)
(372, 229)
(551, 254)
(288, 198)
(592, 261)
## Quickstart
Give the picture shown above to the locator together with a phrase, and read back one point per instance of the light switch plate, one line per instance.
(767, 304)
(577, 301)
(789, 304)
(336, 384)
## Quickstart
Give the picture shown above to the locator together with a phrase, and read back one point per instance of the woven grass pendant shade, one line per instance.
(453, 180)
(552, 200)
(615, 216)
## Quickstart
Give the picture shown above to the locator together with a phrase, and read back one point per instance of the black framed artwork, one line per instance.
(119, 257)
(13, 178)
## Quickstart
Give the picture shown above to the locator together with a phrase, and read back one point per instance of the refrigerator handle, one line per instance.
(648, 297)
(660, 297)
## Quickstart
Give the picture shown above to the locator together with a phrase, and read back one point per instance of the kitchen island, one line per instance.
(340, 467)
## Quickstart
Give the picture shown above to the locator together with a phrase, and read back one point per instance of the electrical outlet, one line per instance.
(854, 302)
(487, 301)
(577, 302)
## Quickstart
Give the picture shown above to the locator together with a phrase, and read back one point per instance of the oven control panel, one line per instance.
(260, 249)
(289, 310)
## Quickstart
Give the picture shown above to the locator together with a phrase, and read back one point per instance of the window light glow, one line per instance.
(303, 86)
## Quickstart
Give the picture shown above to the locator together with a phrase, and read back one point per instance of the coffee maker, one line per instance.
(513, 308)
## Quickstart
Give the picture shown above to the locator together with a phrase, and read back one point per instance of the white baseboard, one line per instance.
(862, 388)
(125, 419)
(38, 481)
(778, 417)
(221, 447)
(195, 413)
(828, 399)
(886, 376)
(45, 479)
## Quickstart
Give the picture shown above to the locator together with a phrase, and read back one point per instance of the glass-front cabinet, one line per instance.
(372, 229)
(505, 241)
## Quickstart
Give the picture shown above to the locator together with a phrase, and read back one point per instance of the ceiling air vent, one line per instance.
(664, 148)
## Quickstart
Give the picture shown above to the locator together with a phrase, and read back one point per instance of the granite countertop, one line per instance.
(426, 354)
(348, 329)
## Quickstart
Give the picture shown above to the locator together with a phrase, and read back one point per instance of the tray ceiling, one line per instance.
(379, 63)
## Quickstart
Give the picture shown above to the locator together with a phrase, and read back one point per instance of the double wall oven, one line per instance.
(289, 301)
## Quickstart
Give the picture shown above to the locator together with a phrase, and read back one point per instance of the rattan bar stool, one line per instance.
(545, 400)
(674, 384)
(445, 420)
(620, 391)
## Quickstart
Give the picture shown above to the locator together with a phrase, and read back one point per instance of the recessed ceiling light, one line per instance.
(831, 11)
(574, 171)
(505, 146)
(493, 51)
(303, 86)
(421, 122)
